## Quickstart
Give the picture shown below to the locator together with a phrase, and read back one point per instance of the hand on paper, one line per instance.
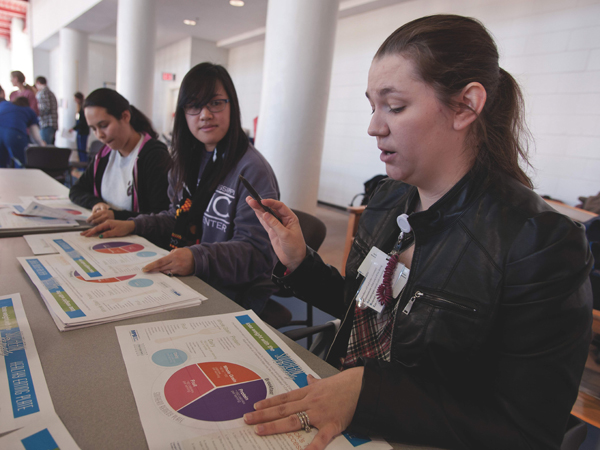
(111, 228)
(179, 262)
(329, 404)
(287, 239)
(101, 212)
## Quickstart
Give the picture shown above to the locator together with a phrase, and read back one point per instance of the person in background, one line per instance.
(129, 174)
(81, 128)
(16, 120)
(482, 342)
(23, 90)
(48, 108)
(213, 232)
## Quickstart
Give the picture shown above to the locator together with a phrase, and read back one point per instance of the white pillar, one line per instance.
(297, 71)
(21, 51)
(136, 34)
(73, 78)
(5, 63)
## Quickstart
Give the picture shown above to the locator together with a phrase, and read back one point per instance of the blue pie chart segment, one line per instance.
(169, 357)
(146, 254)
(141, 282)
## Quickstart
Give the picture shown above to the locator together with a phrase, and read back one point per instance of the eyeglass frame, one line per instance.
(200, 108)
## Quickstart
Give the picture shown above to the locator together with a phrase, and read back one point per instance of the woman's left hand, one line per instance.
(101, 212)
(179, 262)
(329, 404)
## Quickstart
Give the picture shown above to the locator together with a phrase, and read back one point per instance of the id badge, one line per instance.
(372, 269)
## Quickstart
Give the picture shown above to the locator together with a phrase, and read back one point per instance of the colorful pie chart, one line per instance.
(104, 280)
(117, 247)
(214, 391)
(72, 211)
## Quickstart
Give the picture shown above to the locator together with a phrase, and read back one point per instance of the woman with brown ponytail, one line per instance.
(476, 334)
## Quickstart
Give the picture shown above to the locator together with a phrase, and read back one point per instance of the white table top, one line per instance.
(15, 183)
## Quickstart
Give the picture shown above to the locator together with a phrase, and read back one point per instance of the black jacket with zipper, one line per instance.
(491, 353)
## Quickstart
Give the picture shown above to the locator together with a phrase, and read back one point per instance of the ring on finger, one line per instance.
(169, 273)
(304, 420)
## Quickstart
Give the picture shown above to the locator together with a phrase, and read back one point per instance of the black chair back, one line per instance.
(52, 160)
(313, 229)
(277, 315)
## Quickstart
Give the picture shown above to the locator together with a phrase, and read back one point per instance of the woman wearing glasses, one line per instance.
(214, 234)
(129, 174)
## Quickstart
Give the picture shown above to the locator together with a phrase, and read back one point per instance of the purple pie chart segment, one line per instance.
(226, 403)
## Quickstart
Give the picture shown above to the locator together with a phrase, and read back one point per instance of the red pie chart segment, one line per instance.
(185, 386)
(118, 247)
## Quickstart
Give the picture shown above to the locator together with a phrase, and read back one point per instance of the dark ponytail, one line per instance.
(449, 52)
(140, 122)
(499, 128)
(115, 104)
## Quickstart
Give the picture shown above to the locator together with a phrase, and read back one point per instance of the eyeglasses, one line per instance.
(214, 106)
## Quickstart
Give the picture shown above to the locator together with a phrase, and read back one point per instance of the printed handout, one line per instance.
(48, 433)
(194, 379)
(63, 204)
(96, 258)
(39, 244)
(9, 220)
(24, 396)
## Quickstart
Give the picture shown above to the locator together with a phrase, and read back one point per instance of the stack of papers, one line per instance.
(12, 216)
(61, 204)
(92, 281)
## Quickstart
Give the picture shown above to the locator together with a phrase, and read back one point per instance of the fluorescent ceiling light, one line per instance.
(236, 2)
(189, 22)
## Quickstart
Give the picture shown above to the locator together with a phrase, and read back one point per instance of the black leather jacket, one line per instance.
(491, 355)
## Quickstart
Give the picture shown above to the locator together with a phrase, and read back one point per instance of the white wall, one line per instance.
(178, 58)
(102, 65)
(207, 51)
(41, 65)
(246, 69)
(49, 16)
(174, 58)
(552, 47)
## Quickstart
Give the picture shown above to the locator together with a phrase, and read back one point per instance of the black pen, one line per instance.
(258, 198)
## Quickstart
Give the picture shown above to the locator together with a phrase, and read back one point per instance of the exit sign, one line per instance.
(168, 76)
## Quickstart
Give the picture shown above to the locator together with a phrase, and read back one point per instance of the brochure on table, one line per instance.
(94, 258)
(193, 380)
(24, 396)
(9, 220)
(75, 302)
(62, 204)
(39, 244)
(46, 434)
